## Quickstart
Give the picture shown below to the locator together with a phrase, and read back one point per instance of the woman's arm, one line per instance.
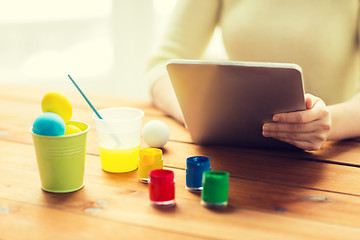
(186, 37)
(164, 98)
(345, 119)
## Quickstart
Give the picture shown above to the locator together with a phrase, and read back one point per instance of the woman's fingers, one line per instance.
(306, 129)
(306, 145)
(314, 126)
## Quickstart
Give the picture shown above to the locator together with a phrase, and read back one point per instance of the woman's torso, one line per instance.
(320, 36)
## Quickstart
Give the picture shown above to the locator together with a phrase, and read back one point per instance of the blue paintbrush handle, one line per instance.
(86, 99)
(92, 107)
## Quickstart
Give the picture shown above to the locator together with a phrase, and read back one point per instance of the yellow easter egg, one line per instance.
(71, 129)
(57, 103)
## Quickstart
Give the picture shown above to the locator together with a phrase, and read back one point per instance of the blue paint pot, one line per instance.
(195, 167)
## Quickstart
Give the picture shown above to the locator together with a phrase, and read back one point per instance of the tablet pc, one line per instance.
(227, 102)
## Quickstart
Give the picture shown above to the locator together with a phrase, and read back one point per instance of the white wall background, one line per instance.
(103, 44)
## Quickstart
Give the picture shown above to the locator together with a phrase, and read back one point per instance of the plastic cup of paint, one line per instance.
(149, 159)
(119, 138)
(215, 189)
(162, 188)
(61, 159)
(195, 167)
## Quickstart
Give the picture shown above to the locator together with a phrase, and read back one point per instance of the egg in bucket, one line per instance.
(60, 145)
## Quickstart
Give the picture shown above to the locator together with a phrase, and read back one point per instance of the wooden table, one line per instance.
(273, 194)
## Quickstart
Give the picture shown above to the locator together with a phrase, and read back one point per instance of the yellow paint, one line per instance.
(144, 170)
(150, 159)
(119, 160)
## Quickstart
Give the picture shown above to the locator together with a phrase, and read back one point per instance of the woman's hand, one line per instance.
(307, 129)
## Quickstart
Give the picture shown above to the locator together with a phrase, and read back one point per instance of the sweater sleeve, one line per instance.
(187, 35)
(357, 95)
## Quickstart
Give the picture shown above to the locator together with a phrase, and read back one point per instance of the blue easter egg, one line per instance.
(49, 124)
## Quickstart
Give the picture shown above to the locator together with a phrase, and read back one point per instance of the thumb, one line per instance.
(309, 102)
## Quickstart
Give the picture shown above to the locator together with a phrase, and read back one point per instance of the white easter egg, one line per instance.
(155, 133)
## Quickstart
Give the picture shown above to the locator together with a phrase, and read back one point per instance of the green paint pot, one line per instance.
(215, 189)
